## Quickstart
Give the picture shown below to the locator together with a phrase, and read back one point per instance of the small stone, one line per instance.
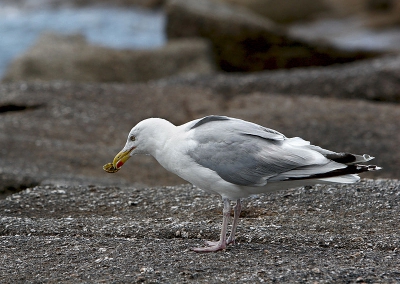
(359, 280)
(316, 270)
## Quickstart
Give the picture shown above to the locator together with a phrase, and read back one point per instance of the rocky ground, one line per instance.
(324, 234)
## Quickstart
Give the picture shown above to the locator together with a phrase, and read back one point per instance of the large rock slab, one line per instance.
(374, 79)
(378, 13)
(335, 234)
(284, 11)
(245, 41)
(63, 133)
(58, 57)
(383, 13)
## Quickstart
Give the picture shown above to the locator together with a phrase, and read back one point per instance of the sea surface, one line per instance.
(131, 28)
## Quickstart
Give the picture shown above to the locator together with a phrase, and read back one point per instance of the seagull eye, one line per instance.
(132, 138)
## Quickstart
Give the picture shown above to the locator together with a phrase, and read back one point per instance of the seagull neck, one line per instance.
(158, 137)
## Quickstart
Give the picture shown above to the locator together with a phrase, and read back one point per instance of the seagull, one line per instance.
(235, 159)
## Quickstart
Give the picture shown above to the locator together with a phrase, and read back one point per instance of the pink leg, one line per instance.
(237, 209)
(222, 240)
(231, 240)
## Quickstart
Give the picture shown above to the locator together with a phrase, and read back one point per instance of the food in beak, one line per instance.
(109, 168)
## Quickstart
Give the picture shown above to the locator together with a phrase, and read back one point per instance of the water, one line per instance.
(112, 27)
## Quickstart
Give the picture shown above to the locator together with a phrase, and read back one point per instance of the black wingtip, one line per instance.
(349, 170)
(343, 158)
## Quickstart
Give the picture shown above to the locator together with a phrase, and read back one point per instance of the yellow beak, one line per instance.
(121, 158)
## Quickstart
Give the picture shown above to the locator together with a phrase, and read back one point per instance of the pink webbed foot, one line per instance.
(213, 243)
(212, 246)
(223, 241)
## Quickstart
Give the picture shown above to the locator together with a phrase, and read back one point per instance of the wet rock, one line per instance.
(56, 57)
(244, 41)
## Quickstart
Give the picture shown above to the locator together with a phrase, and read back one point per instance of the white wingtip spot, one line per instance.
(368, 157)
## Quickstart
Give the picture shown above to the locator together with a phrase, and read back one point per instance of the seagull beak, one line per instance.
(122, 157)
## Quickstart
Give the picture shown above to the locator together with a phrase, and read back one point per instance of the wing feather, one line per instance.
(247, 154)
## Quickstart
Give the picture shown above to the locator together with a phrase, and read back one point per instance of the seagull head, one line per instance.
(144, 138)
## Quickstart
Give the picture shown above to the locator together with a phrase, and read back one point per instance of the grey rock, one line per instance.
(56, 57)
(63, 133)
(284, 11)
(11, 183)
(374, 79)
(349, 33)
(245, 41)
(77, 128)
(330, 233)
(347, 7)
(384, 13)
(379, 13)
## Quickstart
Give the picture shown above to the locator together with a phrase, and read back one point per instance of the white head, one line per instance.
(144, 138)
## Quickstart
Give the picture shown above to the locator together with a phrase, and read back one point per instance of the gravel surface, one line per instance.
(323, 234)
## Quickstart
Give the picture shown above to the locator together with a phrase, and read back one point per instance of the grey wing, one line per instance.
(233, 126)
(245, 154)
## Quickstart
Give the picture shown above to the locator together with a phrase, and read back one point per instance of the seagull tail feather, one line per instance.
(343, 175)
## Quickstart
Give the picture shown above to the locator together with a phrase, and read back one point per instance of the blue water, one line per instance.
(112, 27)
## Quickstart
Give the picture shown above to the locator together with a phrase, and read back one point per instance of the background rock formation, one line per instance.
(67, 131)
(71, 58)
(244, 41)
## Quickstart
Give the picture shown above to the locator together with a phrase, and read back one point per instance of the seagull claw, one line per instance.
(211, 243)
(214, 246)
